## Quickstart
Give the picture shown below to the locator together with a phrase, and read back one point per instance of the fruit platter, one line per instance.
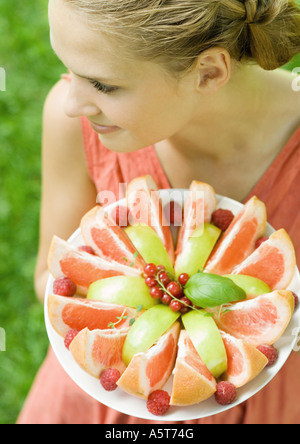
(173, 305)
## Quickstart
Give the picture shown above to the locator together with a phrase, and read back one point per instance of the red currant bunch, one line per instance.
(163, 286)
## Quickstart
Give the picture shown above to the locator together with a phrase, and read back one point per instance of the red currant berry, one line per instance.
(150, 270)
(156, 292)
(183, 279)
(166, 299)
(174, 288)
(185, 301)
(164, 278)
(161, 268)
(175, 306)
(150, 281)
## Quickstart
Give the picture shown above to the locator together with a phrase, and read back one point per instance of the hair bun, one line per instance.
(262, 12)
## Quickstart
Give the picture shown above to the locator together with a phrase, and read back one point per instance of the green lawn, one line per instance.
(31, 69)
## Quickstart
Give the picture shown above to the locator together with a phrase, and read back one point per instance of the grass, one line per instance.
(31, 70)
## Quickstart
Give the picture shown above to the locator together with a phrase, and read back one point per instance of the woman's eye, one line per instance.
(103, 88)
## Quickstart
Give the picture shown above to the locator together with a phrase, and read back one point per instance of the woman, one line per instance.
(181, 90)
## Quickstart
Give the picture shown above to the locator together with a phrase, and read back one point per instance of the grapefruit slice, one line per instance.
(75, 313)
(199, 205)
(149, 371)
(82, 268)
(239, 240)
(193, 382)
(145, 207)
(97, 350)
(245, 362)
(109, 240)
(258, 321)
(274, 262)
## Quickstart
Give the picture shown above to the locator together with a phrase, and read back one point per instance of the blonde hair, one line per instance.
(175, 32)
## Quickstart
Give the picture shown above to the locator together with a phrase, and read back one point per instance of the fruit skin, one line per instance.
(64, 259)
(239, 240)
(252, 286)
(147, 329)
(69, 337)
(207, 340)
(273, 262)
(245, 361)
(122, 290)
(139, 378)
(75, 313)
(270, 352)
(199, 205)
(249, 320)
(97, 350)
(192, 382)
(158, 402)
(145, 206)
(149, 245)
(226, 393)
(197, 250)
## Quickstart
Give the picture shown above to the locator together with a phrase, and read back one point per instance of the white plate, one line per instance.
(124, 403)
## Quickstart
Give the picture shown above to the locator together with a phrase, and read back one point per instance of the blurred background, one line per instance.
(31, 69)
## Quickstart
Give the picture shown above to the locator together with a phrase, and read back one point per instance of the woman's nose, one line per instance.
(78, 101)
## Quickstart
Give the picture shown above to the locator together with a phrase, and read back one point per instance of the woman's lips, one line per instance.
(102, 129)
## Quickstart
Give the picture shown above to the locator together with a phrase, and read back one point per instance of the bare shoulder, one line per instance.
(58, 128)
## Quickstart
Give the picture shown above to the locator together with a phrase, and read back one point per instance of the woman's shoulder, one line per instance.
(54, 113)
(61, 134)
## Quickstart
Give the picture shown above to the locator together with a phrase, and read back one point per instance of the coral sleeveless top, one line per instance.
(55, 399)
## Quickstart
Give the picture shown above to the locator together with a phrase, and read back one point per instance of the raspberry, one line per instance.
(270, 352)
(226, 393)
(158, 402)
(260, 241)
(109, 379)
(64, 287)
(222, 218)
(296, 299)
(87, 249)
(69, 337)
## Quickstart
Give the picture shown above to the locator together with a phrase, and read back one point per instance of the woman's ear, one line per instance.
(213, 70)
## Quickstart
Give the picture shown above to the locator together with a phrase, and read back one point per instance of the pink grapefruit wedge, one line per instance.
(258, 321)
(199, 205)
(145, 206)
(109, 240)
(149, 371)
(76, 314)
(83, 268)
(274, 262)
(245, 362)
(193, 382)
(239, 240)
(97, 350)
